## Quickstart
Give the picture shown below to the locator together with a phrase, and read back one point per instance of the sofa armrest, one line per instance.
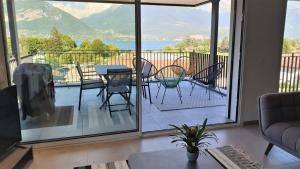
(278, 107)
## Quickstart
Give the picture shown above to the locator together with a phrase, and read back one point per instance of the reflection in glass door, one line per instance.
(87, 53)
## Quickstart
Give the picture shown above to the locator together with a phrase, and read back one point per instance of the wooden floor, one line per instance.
(92, 120)
(245, 138)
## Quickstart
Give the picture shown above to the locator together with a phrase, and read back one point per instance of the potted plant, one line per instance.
(194, 139)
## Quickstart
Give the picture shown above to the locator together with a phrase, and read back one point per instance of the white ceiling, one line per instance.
(149, 2)
(176, 2)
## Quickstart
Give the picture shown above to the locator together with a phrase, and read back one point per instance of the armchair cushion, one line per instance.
(280, 121)
(280, 132)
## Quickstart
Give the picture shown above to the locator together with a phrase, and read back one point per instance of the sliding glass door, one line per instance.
(192, 83)
(87, 52)
(100, 76)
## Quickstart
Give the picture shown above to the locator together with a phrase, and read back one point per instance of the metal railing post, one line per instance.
(214, 39)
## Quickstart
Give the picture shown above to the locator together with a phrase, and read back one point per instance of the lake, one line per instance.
(130, 45)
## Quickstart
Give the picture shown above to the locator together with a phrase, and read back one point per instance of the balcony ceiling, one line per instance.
(152, 2)
(175, 2)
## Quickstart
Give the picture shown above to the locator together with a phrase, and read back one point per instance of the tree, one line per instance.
(55, 42)
(112, 47)
(32, 45)
(68, 42)
(200, 45)
(287, 46)
(168, 48)
(224, 45)
(60, 42)
(98, 45)
(85, 45)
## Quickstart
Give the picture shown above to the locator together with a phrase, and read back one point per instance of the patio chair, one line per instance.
(148, 71)
(187, 63)
(86, 83)
(170, 77)
(119, 81)
(208, 76)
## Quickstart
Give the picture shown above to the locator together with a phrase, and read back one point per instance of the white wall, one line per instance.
(261, 53)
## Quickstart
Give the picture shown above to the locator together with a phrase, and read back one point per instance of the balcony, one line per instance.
(91, 120)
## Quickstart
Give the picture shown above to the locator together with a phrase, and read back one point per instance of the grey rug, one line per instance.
(199, 98)
(63, 116)
(111, 165)
(233, 158)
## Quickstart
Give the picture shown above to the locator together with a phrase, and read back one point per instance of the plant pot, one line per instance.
(192, 157)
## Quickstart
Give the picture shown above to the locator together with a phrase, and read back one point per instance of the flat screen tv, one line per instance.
(10, 129)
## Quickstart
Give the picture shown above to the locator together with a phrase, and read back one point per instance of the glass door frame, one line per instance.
(138, 51)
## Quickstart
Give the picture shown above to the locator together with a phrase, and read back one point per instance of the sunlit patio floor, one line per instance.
(91, 120)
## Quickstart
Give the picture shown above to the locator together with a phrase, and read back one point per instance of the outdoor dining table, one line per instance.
(101, 70)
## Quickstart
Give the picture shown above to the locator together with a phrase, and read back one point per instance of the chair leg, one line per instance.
(178, 91)
(109, 108)
(80, 95)
(149, 92)
(220, 92)
(209, 88)
(106, 100)
(144, 91)
(193, 87)
(100, 92)
(191, 82)
(162, 101)
(270, 146)
(128, 104)
(158, 90)
(103, 98)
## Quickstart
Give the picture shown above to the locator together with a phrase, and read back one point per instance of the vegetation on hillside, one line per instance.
(199, 45)
(203, 46)
(58, 42)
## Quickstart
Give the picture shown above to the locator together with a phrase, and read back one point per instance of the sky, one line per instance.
(82, 10)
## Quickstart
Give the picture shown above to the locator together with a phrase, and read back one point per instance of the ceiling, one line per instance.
(176, 2)
(152, 2)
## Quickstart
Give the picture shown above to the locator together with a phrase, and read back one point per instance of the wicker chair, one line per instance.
(170, 77)
(187, 63)
(208, 76)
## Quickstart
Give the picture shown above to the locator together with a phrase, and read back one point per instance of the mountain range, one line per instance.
(36, 17)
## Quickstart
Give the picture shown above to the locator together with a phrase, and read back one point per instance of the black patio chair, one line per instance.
(170, 77)
(187, 63)
(119, 81)
(208, 77)
(87, 83)
(148, 71)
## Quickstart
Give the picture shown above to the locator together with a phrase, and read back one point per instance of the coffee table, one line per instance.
(171, 159)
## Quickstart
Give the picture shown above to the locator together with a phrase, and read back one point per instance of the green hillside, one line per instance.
(36, 17)
(118, 19)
